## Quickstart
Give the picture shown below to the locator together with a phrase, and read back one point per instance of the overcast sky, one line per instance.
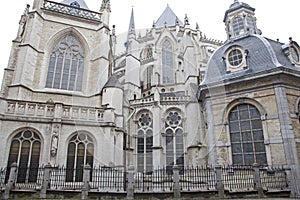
(276, 19)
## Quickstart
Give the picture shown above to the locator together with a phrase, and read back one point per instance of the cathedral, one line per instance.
(172, 96)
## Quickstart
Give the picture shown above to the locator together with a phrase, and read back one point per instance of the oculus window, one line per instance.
(66, 65)
(246, 136)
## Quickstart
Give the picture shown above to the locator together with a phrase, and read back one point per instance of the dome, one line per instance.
(236, 5)
(262, 54)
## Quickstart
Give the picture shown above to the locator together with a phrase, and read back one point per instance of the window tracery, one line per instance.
(66, 65)
(145, 143)
(25, 151)
(167, 63)
(80, 153)
(174, 140)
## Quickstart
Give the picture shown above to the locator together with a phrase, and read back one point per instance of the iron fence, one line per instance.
(156, 181)
(198, 179)
(29, 178)
(107, 179)
(238, 178)
(273, 178)
(59, 179)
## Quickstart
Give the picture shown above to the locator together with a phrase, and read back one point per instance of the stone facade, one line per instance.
(173, 97)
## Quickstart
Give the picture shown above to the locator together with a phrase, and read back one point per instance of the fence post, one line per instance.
(130, 183)
(257, 181)
(11, 181)
(86, 181)
(219, 179)
(46, 181)
(289, 183)
(176, 179)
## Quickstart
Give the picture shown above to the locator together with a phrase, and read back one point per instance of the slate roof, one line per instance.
(263, 54)
(113, 82)
(169, 17)
(80, 2)
(237, 5)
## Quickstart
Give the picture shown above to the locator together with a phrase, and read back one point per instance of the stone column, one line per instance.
(176, 179)
(211, 133)
(288, 137)
(46, 181)
(86, 182)
(219, 179)
(256, 180)
(130, 183)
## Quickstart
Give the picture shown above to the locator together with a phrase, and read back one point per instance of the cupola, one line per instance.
(240, 20)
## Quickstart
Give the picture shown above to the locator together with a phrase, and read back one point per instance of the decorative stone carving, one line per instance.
(22, 24)
(54, 139)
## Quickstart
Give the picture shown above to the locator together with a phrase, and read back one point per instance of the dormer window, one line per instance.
(238, 26)
(292, 51)
(75, 4)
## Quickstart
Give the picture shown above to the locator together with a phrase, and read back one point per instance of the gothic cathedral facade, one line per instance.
(171, 97)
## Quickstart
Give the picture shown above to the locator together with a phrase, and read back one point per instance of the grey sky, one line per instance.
(276, 19)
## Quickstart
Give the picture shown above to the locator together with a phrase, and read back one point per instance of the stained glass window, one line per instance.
(66, 65)
(145, 143)
(80, 153)
(25, 151)
(167, 63)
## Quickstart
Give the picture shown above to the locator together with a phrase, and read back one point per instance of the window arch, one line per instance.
(174, 140)
(145, 143)
(66, 65)
(25, 151)
(167, 63)
(238, 26)
(80, 153)
(246, 135)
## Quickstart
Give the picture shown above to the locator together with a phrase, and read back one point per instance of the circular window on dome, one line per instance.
(235, 57)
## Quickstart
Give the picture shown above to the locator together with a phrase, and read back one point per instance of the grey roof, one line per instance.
(263, 54)
(168, 17)
(113, 82)
(81, 3)
(236, 5)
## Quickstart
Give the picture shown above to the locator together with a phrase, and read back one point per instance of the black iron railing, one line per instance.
(71, 10)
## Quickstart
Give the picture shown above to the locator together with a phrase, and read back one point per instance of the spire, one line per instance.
(131, 29)
(105, 5)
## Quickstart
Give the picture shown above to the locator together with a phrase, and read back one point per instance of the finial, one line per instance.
(197, 26)
(186, 20)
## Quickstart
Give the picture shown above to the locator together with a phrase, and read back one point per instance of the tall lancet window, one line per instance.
(80, 153)
(174, 140)
(66, 65)
(25, 150)
(145, 143)
(167, 63)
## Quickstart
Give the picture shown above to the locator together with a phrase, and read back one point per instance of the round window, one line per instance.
(235, 57)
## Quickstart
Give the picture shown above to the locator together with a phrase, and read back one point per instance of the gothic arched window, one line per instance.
(238, 26)
(145, 143)
(66, 65)
(80, 153)
(174, 140)
(246, 135)
(25, 151)
(167, 63)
